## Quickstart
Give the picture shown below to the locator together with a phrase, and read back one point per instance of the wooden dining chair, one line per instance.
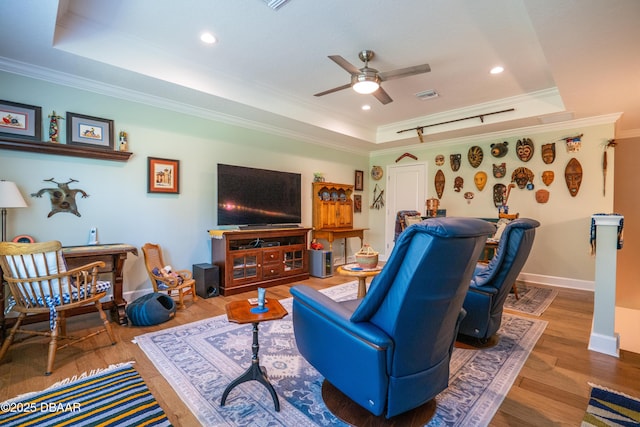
(40, 283)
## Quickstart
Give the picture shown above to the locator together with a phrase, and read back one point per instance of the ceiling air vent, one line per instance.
(427, 94)
(275, 4)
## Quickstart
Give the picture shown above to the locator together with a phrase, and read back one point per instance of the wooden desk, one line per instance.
(240, 312)
(113, 255)
(330, 234)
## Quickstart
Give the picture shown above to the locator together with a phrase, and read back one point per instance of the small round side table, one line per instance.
(355, 270)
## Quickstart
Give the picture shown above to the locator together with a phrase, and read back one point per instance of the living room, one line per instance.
(123, 211)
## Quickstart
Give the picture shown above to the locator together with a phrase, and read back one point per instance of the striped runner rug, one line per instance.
(116, 396)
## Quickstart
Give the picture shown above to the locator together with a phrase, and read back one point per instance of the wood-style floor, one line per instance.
(551, 389)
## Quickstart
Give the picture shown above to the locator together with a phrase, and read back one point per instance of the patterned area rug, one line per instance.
(611, 408)
(116, 396)
(532, 300)
(200, 359)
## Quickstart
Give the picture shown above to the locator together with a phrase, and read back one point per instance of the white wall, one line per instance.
(561, 252)
(119, 205)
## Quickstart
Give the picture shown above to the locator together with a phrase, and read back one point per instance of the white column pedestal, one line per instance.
(603, 337)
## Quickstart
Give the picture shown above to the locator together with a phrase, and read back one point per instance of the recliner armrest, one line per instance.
(340, 315)
(486, 290)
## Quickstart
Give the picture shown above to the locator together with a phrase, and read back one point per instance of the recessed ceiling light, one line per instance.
(366, 107)
(208, 38)
(497, 70)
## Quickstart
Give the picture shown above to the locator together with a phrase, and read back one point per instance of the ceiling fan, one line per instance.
(367, 80)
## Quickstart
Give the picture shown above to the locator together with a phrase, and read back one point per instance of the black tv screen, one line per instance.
(250, 196)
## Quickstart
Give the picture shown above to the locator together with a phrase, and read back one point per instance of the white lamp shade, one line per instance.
(10, 196)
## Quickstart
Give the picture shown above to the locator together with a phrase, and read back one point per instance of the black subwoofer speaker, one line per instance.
(207, 277)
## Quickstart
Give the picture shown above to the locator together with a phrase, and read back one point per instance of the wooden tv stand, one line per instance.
(254, 258)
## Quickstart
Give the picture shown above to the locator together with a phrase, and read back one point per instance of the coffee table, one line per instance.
(355, 270)
(240, 312)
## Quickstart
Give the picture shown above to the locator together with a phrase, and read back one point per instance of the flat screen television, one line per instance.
(258, 197)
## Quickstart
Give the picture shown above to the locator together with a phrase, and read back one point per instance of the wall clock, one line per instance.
(376, 172)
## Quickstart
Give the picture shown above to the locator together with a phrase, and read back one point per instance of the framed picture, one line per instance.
(89, 131)
(20, 121)
(357, 203)
(359, 185)
(163, 175)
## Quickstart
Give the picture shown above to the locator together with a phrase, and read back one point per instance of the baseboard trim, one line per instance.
(560, 282)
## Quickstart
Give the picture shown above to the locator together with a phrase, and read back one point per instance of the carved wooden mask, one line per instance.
(439, 183)
(548, 153)
(573, 176)
(475, 156)
(439, 160)
(522, 176)
(499, 191)
(547, 177)
(458, 183)
(499, 149)
(480, 179)
(455, 161)
(524, 149)
(542, 196)
(499, 171)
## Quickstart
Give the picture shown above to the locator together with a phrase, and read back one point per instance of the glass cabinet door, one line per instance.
(245, 266)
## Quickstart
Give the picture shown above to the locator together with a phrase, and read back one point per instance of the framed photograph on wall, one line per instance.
(163, 175)
(20, 121)
(89, 131)
(359, 184)
(357, 203)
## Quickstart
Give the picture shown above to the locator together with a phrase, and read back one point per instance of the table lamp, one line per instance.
(10, 197)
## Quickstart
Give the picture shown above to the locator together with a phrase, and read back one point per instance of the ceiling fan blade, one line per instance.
(405, 72)
(349, 67)
(382, 96)
(335, 89)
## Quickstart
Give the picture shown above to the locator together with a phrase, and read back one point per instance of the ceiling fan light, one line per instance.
(365, 83)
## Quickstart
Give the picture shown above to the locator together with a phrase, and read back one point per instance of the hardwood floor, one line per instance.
(551, 389)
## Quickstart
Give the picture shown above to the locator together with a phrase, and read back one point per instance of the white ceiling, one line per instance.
(563, 59)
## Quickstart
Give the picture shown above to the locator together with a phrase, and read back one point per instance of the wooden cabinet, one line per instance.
(332, 205)
(249, 259)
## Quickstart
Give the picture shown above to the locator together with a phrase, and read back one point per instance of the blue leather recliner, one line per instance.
(390, 351)
(492, 282)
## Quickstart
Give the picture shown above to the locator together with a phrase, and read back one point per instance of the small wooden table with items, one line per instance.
(240, 312)
(361, 273)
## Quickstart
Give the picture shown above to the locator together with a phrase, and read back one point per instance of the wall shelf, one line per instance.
(63, 149)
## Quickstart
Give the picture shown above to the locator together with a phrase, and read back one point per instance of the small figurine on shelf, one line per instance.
(318, 177)
(53, 126)
(123, 140)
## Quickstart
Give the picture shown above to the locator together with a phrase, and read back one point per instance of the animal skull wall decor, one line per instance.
(63, 198)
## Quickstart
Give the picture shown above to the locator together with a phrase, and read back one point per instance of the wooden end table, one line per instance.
(240, 312)
(354, 270)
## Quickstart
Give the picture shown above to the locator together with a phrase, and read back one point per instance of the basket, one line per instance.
(366, 257)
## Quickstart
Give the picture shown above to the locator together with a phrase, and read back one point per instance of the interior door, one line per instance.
(406, 191)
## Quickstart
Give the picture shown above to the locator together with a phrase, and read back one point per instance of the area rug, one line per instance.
(115, 396)
(200, 359)
(611, 408)
(532, 300)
